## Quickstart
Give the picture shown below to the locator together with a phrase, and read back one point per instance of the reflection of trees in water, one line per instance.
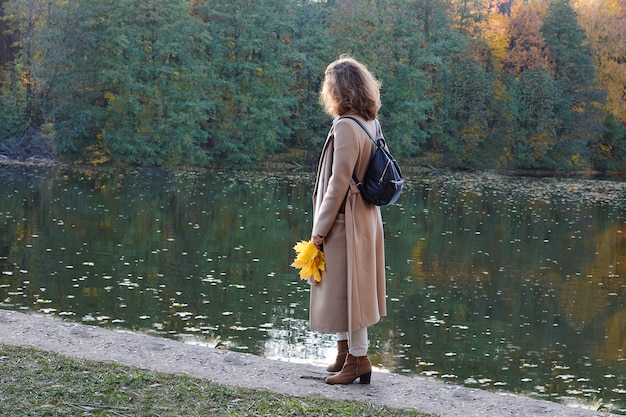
(510, 284)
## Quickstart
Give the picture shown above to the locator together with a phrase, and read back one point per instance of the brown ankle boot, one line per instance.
(355, 367)
(342, 352)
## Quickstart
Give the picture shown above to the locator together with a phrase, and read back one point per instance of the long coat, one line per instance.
(352, 292)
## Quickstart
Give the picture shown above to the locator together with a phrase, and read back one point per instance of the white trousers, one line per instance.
(358, 342)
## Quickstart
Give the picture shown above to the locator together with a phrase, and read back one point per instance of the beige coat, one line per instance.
(352, 292)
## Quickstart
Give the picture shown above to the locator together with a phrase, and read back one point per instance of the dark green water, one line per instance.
(511, 284)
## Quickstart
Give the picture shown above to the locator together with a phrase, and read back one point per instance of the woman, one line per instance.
(351, 294)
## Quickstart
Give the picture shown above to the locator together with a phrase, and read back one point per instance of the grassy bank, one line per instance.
(38, 383)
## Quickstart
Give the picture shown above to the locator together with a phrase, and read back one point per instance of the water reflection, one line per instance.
(494, 282)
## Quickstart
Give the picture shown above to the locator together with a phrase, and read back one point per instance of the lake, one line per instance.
(495, 282)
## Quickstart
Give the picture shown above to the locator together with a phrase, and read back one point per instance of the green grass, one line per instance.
(39, 383)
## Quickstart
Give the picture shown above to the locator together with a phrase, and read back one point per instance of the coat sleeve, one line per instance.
(345, 157)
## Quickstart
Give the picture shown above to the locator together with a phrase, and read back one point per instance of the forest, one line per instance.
(467, 84)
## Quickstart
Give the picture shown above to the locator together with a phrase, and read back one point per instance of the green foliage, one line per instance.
(13, 120)
(398, 63)
(575, 73)
(609, 153)
(568, 45)
(308, 51)
(250, 65)
(135, 84)
(226, 83)
(469, 111)
(537, 100)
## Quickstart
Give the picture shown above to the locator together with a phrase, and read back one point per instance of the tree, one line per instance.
(253, 101)
(414, 73)
(308, 52)
(498, 83)
(537, 102)
(7, 51)
(385, 35)
(604, 23)
(470, 111)
(468, 16)
(400, 60)
(13, 121)
(609, 152)
(527, 48)
(575, 72)
(26, 23)
(131, 82)
(495, 33)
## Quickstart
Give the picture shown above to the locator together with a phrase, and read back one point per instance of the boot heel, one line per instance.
(366, 378)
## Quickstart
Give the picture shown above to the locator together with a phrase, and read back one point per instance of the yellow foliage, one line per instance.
(109, 96)
(606, 148)
(540, 144)
(310, 259)
(472, 135)
(24, 77)
(96, 154)
(501, 92)
(495, 33)
(506, 156)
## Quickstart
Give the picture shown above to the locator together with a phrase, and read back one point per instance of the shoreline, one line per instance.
(282, 163)
(249, 371)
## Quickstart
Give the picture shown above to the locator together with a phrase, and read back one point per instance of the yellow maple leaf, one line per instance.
(310, 260)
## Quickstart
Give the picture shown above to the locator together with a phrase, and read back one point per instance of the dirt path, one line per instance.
(244, 370)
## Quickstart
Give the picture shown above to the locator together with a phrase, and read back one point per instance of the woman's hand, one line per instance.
(317, 240)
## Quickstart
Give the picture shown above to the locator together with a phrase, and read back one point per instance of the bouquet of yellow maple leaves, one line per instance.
(310, 259)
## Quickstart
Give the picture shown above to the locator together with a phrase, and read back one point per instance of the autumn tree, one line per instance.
(495, 33)
(536, 97)
(605, 24)
(527, 48)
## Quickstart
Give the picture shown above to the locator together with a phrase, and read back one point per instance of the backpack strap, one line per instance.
(356, 180)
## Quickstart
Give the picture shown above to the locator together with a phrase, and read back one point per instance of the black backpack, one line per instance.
(383, 180)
